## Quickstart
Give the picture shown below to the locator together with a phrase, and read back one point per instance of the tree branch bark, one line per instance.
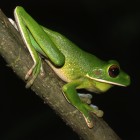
(48, 88)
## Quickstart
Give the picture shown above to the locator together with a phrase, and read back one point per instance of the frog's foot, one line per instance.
(85, 98)
(86, 110)
(33, 73)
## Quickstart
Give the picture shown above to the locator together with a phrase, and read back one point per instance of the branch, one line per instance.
(48, 88)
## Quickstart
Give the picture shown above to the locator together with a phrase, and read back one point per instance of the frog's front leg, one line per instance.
(72, 96)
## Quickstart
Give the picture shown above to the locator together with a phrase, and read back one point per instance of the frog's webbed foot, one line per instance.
(87, 109)
(33, 72)
(86, 98)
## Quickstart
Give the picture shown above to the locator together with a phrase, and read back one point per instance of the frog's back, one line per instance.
(77, 61)
(63, 44)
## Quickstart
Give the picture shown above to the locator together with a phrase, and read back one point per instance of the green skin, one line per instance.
(78, 68)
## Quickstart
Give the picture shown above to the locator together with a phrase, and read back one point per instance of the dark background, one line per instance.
(109, 30)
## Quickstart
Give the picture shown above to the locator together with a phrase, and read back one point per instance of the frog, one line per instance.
(78, 68)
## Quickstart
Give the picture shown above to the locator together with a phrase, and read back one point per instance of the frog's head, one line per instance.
(110, 73)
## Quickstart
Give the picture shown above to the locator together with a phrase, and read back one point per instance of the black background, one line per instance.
(109, 30)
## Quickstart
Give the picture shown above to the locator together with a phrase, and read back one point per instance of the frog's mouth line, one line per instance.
(104, 81)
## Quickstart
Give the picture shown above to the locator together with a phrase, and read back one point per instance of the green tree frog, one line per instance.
(79, 69)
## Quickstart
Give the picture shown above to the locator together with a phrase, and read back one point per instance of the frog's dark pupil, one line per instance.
(114, 71)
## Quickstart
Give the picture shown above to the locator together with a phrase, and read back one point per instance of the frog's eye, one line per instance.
(114, 71)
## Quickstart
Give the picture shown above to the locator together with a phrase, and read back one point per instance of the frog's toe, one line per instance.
(30, 82)
(86, 98)
(89, 122)
(84, 109)
(28, 74)
(32, 74)
(96, 110)
(99, 113)
(94, 106)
